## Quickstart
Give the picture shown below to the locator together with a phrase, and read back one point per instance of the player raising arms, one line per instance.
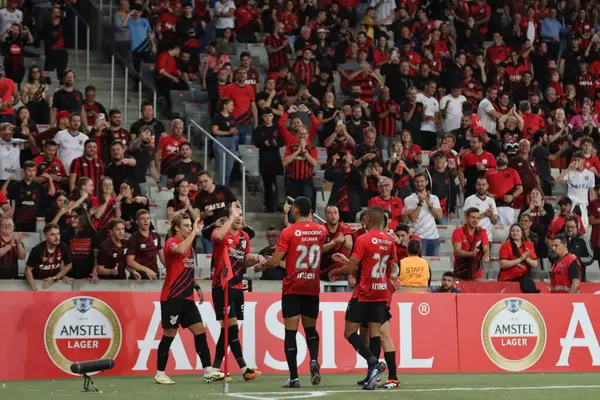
(374, 252)
(301, 244)
(231, 241)
(177, 303)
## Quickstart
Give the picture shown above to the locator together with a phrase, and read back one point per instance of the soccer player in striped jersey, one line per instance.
(177, 303)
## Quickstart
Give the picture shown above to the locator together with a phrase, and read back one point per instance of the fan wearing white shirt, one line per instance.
(10, 151)
(488, 214)
(429, 117)
(423, 208)
(580, 185)
(223, 14)
(487, 113)
(10, 15)
(71, 141)
(451, 108)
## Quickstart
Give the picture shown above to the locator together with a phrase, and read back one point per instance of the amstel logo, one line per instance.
(514, 334)
(81, 329)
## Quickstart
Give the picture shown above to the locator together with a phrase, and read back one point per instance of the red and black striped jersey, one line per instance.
(102, 222)
(367, 84)
(385, 126)
(300, 169)
(238, 246)
(92, 169)
(306, 72)
(279, 57)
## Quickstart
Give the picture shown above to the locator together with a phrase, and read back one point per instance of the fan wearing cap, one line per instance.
(9, 96)
(62, 123)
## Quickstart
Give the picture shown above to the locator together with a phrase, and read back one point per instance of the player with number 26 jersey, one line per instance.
(302, 242)
(376, 251)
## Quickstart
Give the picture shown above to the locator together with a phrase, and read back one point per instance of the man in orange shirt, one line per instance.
(167, 151)
(531, 122)
(9, 97)
(244, 105)
(167, 73)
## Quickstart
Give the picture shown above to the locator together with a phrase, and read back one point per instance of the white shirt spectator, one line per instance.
(384, 11)
(10, 153)
(482, 206)
(69, 147)
(433, 106)
(487, 121)
(224, 22)
(453, 113)
(424, 226)
(579, 184)
(7, 18)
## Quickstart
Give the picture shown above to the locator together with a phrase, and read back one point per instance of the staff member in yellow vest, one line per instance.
(566, 270)
(415, 273)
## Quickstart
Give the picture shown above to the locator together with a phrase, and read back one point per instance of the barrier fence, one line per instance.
(432, 333)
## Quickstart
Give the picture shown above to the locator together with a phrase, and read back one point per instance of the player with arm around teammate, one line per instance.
(301, 244)
(177, 298)
(374, 252)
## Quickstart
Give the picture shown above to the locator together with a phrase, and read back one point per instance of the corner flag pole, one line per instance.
(226, 338)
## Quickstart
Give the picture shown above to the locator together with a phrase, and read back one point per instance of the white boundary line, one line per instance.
(307, 394)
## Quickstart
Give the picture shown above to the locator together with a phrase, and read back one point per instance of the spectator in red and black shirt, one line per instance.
(121, 168)
(88, 166)
(189, 29)
(11, 249)
(92, 108)
(168, 76)
(181, 202)
(189, 67)
(185, 167)
(84, 244)
(299, 161)
(346, 190)
(443, 185)
(53, 35)
(112, 261)
(385, 113)
(49, 163)
(305, 68)
(268, 141)
(252, 76)
(105, 136)
(368, 150)
(244, 110)
(246, 21)
(49, 260)
(367, 79)
(28, 195)
(276, 45)
(385, 200)
(144, 247)
(68, 99)
(167, 151)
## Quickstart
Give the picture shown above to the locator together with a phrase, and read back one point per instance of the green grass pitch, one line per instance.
(334, 387)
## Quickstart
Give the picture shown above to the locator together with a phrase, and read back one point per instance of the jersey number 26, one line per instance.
(380, 267)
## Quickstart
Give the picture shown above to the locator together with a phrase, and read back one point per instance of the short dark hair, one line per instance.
(88, 142)
(29, 164)
(245, 54)
(147, 104)
(89, 88)
(471, 210)
(421, 174)
(50, 142)
(204, 172)
(414, 247)
(303, 205)
(51, 226)
(402, 228)
(449, 274)
(561, 237)
(115, 222)
(535, 138)
(141, 212)
(113, 111)
(578, 154)
(572, 219)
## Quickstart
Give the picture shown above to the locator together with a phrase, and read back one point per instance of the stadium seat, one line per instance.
(203, 265)
(446, 248)
(322, 154)
(158, 210)
(439, 263)
(30, 239)
(495, 248)
(163, 194)
(162, 226)
(425, 158)
(40, 223)
(500, 233)
(446, 231)
(22, 264)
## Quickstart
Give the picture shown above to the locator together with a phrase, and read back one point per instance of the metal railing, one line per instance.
(87, 40)
(315, 215)
(208, 136)
(129, 70)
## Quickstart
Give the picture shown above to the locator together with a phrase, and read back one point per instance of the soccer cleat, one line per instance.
(251, 374)
(163, 380)
(291, 383)
(315, 373)
(362, 381)
(374, 373)
(391, 384)
(214, 375)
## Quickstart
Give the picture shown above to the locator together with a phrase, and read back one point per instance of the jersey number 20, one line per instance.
(310, 257)
(380, 267)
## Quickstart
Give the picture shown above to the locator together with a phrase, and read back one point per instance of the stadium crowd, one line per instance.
(422, 107)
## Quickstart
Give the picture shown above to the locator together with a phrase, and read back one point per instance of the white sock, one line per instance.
(160, 373)
(208, 370)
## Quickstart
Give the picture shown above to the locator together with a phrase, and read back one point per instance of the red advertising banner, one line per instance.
(47, 331)
(532, 333)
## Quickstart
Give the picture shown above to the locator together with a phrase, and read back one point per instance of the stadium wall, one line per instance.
(434, 333)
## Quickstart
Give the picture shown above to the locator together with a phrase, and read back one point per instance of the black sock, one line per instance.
(202, 349)
(291, 351)
(236, 346)
(359, 345)
(219, 350)
(312, 341)
(163, 353)
(390, 360)
(375, 346)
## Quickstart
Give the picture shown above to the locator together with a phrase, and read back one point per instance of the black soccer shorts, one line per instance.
(176, 312)
(365, 312)
(236, 303)
(305, 305)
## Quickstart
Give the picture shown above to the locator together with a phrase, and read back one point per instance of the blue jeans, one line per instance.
(229, 142)
(443, 221)
(244, 135)
(430, 247)
(207, 246)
